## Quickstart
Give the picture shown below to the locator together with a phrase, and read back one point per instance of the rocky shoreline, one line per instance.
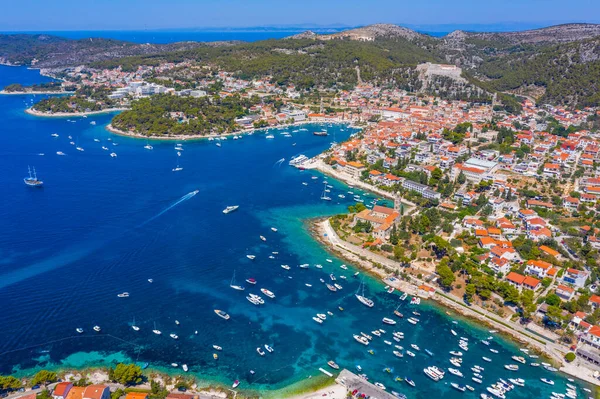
(35, 112)
(321, 230)
(136, 135)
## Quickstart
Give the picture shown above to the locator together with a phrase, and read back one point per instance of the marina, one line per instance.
(130, 231)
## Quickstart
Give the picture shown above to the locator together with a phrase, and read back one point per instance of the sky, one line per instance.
(44, 15)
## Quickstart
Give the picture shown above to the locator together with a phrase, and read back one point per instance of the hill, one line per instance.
(48, 51)
(558, 64)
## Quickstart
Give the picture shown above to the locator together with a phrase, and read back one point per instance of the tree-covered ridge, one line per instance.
(304, 62)
(163, 114)
(569, 73)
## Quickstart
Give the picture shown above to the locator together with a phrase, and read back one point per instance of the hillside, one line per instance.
(558, 64)
(48, 51)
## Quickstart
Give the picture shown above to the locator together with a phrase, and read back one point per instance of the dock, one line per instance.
(327, 373)
(351, 382)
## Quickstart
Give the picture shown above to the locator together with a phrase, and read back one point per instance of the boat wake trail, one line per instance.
(173, 205)
(73, 253)
(278, 163)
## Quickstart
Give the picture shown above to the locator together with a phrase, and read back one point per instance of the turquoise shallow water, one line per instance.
(103, 225)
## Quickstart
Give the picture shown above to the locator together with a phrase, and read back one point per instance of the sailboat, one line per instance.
(32, 181)
(361, 297)
(148, 146)
(155, 331)
(177, 168)
(324, 196)
(134, 327)
(234, 285)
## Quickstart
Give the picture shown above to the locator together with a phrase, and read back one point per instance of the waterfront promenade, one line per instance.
(368, 260)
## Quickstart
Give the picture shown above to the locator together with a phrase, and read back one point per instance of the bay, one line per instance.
(101, 226)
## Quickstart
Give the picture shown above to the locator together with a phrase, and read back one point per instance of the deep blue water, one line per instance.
(166, 36)
(177, 36)
(103, 225)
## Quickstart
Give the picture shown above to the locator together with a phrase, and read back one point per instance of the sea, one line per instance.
(105, 225)
(172, 36)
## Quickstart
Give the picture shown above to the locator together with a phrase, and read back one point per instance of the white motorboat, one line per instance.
(174, 336)
(267, 293)
(97, 328)
(230, 208)
(79, 330)
(388, 321)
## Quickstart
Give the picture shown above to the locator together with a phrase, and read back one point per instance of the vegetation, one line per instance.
(85, 99)
(173, 115)
(43, 377)
(126, 374)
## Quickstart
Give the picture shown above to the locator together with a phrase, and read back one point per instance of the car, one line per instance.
(35, 387)
(182, 389)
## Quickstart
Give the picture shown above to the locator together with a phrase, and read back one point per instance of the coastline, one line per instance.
(34, 112)
(321, 230)
(22, 93)
(136, 135)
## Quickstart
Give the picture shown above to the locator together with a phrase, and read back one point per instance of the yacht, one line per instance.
(79, 149)
(174, 365)
(217, 348)
(458, 387)
(222, 314)
(269, 136)
(54, 135)
(333, 365)
(156, 331)
(79, 330)
(134, 327)
(32, 180)
(114, 155)
(519, 359)
(235, 384)
(269, 348)
(97, 328)
(362, 299)
(331, 287)
(148, 147)
(251, 257)
(487, 359)
(286, 267)
(150, 280)
(317, 320)
(260, 351)
(412, 320)
(233, 285)
(184, 367)
(547, 381)
(360, 339)
(496, 392)
(511, 367)
(174, 336)
(456, 353)
(455, 372)
(517, 381)
(123, 295)
(411, 354)
(388, 321)
(230, 209)
(494, 350)
(415, 347)
(267, 293)
(251, 281)
(105, 148)
(263, 238)
(60, 153)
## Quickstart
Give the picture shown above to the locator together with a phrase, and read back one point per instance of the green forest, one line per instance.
(195, 116)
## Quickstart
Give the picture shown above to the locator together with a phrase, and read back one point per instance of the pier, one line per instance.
(351, 382)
